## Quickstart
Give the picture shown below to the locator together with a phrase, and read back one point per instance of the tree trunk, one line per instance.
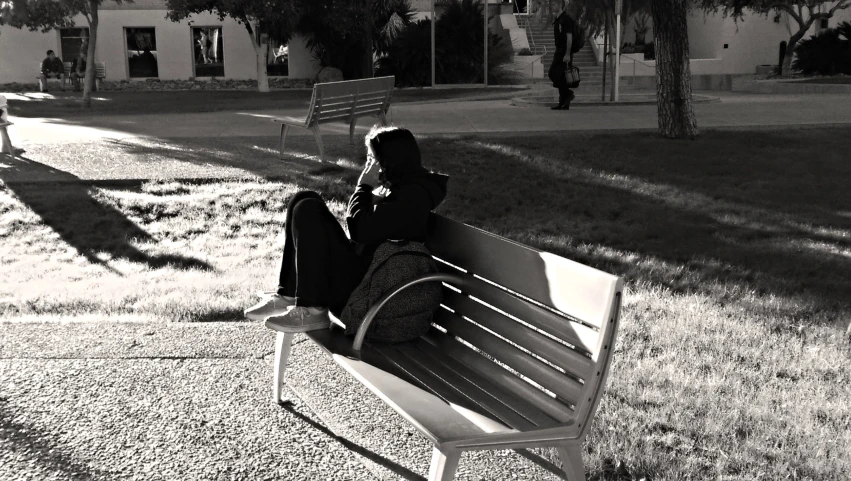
(673, 74)
(368, 60)
(259, 58)
(91, 60)
(790, 51)
(262, 76)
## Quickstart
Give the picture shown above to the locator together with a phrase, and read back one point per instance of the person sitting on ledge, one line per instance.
(51, 67)
(322, 265)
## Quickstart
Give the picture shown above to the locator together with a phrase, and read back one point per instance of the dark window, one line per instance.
(142, 52)
(73, 41)
(824, 23)
(726, 45)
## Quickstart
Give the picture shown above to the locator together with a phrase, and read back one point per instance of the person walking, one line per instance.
(321, 265)
(564, 28)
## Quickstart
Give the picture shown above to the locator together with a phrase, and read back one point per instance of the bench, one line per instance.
(100, 73)
(517, 356)
(341, 101)
(5, 142)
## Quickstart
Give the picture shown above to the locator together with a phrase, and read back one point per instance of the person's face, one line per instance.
(51, 55)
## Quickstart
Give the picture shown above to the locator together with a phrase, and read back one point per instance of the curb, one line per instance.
(637, 99)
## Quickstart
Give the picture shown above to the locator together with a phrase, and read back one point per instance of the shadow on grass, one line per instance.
(730, 214)
(739, 215)
(34, 448)
(68, 207)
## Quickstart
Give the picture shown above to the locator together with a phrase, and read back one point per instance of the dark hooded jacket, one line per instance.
(403, 214)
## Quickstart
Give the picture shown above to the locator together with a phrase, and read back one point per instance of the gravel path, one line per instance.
(106, 401)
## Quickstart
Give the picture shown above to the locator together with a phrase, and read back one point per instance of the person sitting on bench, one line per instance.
(321, 265)
(51, 67)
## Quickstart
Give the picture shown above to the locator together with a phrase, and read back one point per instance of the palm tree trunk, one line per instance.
(673, 74)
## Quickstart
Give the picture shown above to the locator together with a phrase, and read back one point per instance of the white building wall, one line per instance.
(21, 51)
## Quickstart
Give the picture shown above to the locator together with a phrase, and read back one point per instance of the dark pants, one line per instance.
(557, 75)
(320, 267)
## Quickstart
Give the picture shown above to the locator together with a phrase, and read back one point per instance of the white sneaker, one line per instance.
(270, 306)
(300, 319)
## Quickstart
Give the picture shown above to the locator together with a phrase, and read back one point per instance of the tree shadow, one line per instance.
(36, 448)
(67, 206)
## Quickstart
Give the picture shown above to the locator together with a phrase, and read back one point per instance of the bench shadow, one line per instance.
(36, 448)
(397, 469)
(67, 206)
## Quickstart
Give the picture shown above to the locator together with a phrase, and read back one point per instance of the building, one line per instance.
(137, 42)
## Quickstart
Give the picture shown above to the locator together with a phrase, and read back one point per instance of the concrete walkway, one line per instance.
(465, 117)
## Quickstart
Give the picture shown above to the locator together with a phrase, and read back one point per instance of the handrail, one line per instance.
(373, 311)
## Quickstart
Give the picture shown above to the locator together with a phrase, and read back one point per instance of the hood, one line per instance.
(435, 184)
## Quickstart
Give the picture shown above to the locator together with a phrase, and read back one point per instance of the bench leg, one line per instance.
(283, 344)
(443, 465)
(318, 137)
(283, 140)
(6, 143)
(571, 460)
(352, 130)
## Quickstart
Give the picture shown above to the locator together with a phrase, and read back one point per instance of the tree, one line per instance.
(259, 17)
(673, 73)
(45, 15)
(804, 12)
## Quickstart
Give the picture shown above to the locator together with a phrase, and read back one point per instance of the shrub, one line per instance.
(650, 51)
(826, 53)
(458, 46)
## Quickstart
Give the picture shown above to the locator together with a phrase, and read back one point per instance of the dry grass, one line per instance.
(732, 362)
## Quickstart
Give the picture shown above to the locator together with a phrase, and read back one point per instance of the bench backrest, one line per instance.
(342, 100)
(549, 323)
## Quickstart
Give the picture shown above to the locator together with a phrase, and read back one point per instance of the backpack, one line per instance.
(407, 315)
(578, 38)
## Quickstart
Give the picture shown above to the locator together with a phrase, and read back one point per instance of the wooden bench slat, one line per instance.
(347, 108)
(583, 337)
(558, 354)
(569, 287)
(335, 99)
(499, 375)
(494, 390)
(453, 388)
(563, 386)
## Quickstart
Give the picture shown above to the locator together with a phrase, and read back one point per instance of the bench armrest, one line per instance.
(373, 311)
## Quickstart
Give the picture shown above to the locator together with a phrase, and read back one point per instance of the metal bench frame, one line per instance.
(340, 101)
(517, 356)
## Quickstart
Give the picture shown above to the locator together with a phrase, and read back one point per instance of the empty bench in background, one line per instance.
(517, 356)
(341, 101)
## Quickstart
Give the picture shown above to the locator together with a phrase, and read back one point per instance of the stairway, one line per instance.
(541, 35)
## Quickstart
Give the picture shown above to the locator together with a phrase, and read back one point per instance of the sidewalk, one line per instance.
(468, 117)
(193, 402)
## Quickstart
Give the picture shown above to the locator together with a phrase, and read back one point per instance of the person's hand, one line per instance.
(369, 176)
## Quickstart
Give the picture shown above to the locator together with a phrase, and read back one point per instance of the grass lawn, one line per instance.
(733, 360)
(59, 104)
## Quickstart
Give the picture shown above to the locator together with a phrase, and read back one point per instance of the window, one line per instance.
(208, 49)
(824, 23)
(277, 59)
(73, 41)
(141, 52)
